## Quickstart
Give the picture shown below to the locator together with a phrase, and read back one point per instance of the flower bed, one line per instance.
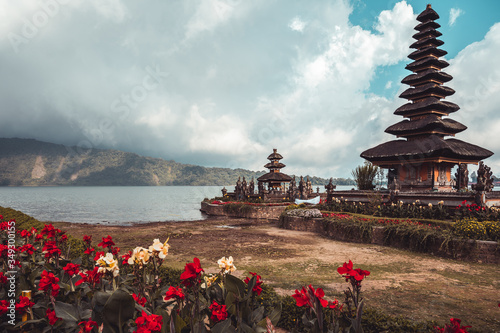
(101, 288)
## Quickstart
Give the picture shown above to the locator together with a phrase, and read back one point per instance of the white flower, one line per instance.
(159, 248)
(226, 265)
(139, 256)
(108, 264)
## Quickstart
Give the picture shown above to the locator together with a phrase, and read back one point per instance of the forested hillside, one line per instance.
(27, 162)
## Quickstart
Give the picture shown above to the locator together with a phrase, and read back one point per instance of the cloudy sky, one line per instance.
(222, 82)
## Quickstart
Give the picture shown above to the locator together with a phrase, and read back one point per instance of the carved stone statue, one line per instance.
(224, 191)
(484, 180)
(244, 188)
(238, 189)
(302, 188)
(292, 189)
(462, 177)
(251, 187)
(309, 189)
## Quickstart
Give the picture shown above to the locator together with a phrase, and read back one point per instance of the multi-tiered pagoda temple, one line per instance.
(274, 179)
(424, 159)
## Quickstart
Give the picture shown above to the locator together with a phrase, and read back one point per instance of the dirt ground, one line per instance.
(417, 286)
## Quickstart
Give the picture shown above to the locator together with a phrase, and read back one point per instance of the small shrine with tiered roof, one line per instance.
(274, 182)
(423, 159)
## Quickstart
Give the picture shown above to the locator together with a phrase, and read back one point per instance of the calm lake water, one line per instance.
(112, 204)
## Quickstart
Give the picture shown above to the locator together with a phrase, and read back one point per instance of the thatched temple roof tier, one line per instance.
(427, 90)
(425, 149)
(427, 32)
(426, 42)
(427, 24)
(272, 165)
(427, 14)
(431, 124)
(274, 176)
(426, 63)
(426, 76)
(429, 105)
(275, 155)
(427, 52)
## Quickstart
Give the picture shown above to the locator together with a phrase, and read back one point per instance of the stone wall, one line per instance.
(469, 250)
(253, 212)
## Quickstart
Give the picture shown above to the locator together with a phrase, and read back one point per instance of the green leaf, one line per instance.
(117, 311)
(68, 313)
(223, 327)
(230, 306)
(235, 285)
(257, 315)
(276, 314)
(98, 301)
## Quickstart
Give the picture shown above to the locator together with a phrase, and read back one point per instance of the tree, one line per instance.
(364, 175)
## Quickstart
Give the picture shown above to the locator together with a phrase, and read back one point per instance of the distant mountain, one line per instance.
(28, 162)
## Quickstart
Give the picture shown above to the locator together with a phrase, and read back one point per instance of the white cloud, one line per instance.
(114, 10)
(454, 14)
(239, 82)
(210, 14)
(297, 24)
(476, 80)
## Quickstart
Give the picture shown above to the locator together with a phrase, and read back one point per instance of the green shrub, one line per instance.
(23, 221)
(493, 230)
(471, 228)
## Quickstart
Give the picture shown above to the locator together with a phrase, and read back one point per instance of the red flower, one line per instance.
(86, 326)
(126, 257)
(219, 312)
(28, 248)
(72, 269)
(301, 297)
(191, 272)
(24, 304)
(4, 307)
(51, 316)
(25, 233)
(63, 238)
(258, 282)
(3, 278)
(149, 323)
(356, 274)
(454, 327)
(89, 251)
(98, 255)
(307, 297)
(173, 292)
(48, 282)
(87, 239)
(49, 230)
(91, 277)
(140, 301)
(115, 250)
(106, 242)
(333, 304)
(50, 249)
